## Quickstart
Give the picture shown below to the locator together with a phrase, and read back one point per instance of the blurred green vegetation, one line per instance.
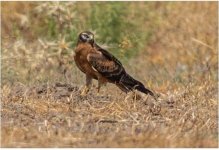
(120, 25)
(165, 43)
(171, 47)
(123, 28)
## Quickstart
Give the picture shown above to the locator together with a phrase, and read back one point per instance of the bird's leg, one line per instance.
(134, 95)
(86, 88)
(100, 83)
(99, 86)
(128, 95)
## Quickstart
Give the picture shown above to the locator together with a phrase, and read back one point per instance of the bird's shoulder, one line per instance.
(107, 54)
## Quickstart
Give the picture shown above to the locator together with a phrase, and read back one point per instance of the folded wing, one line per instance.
(111, 68)
(106, 66)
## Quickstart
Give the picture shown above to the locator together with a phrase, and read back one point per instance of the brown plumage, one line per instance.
(99, 64)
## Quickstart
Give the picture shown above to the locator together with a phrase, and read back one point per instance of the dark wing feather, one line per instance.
(106, 66)
(111, 68)
(107, 54)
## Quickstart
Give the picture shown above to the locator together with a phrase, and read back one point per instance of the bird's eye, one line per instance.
(85, 36)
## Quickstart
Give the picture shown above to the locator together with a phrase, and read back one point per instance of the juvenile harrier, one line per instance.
(99, 64)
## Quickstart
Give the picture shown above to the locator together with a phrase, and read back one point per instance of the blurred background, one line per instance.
(172, 47)
(164, 44)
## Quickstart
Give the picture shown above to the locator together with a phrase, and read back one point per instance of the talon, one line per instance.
(128, 95)
(85, 90)
(98, 94)
(98, 90)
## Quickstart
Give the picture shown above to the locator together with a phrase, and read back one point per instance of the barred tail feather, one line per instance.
(127, 83)
(144, 90)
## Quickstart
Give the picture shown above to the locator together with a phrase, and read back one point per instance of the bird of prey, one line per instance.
(97, 63)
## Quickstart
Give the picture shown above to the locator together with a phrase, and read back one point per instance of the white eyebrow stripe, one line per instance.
(85, 34)
(89, 35)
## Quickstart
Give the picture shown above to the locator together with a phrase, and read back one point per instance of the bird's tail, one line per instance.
(128, 83)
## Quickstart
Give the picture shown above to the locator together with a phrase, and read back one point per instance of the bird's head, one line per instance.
(86, 37)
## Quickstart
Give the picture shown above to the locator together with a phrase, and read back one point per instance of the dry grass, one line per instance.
(62, 118)
(179, 62)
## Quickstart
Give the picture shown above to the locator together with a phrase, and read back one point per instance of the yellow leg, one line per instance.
(98, 88)
(100, 83)
(86, 89)
(128, 95)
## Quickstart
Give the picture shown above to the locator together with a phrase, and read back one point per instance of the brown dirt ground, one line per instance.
(55, 115)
